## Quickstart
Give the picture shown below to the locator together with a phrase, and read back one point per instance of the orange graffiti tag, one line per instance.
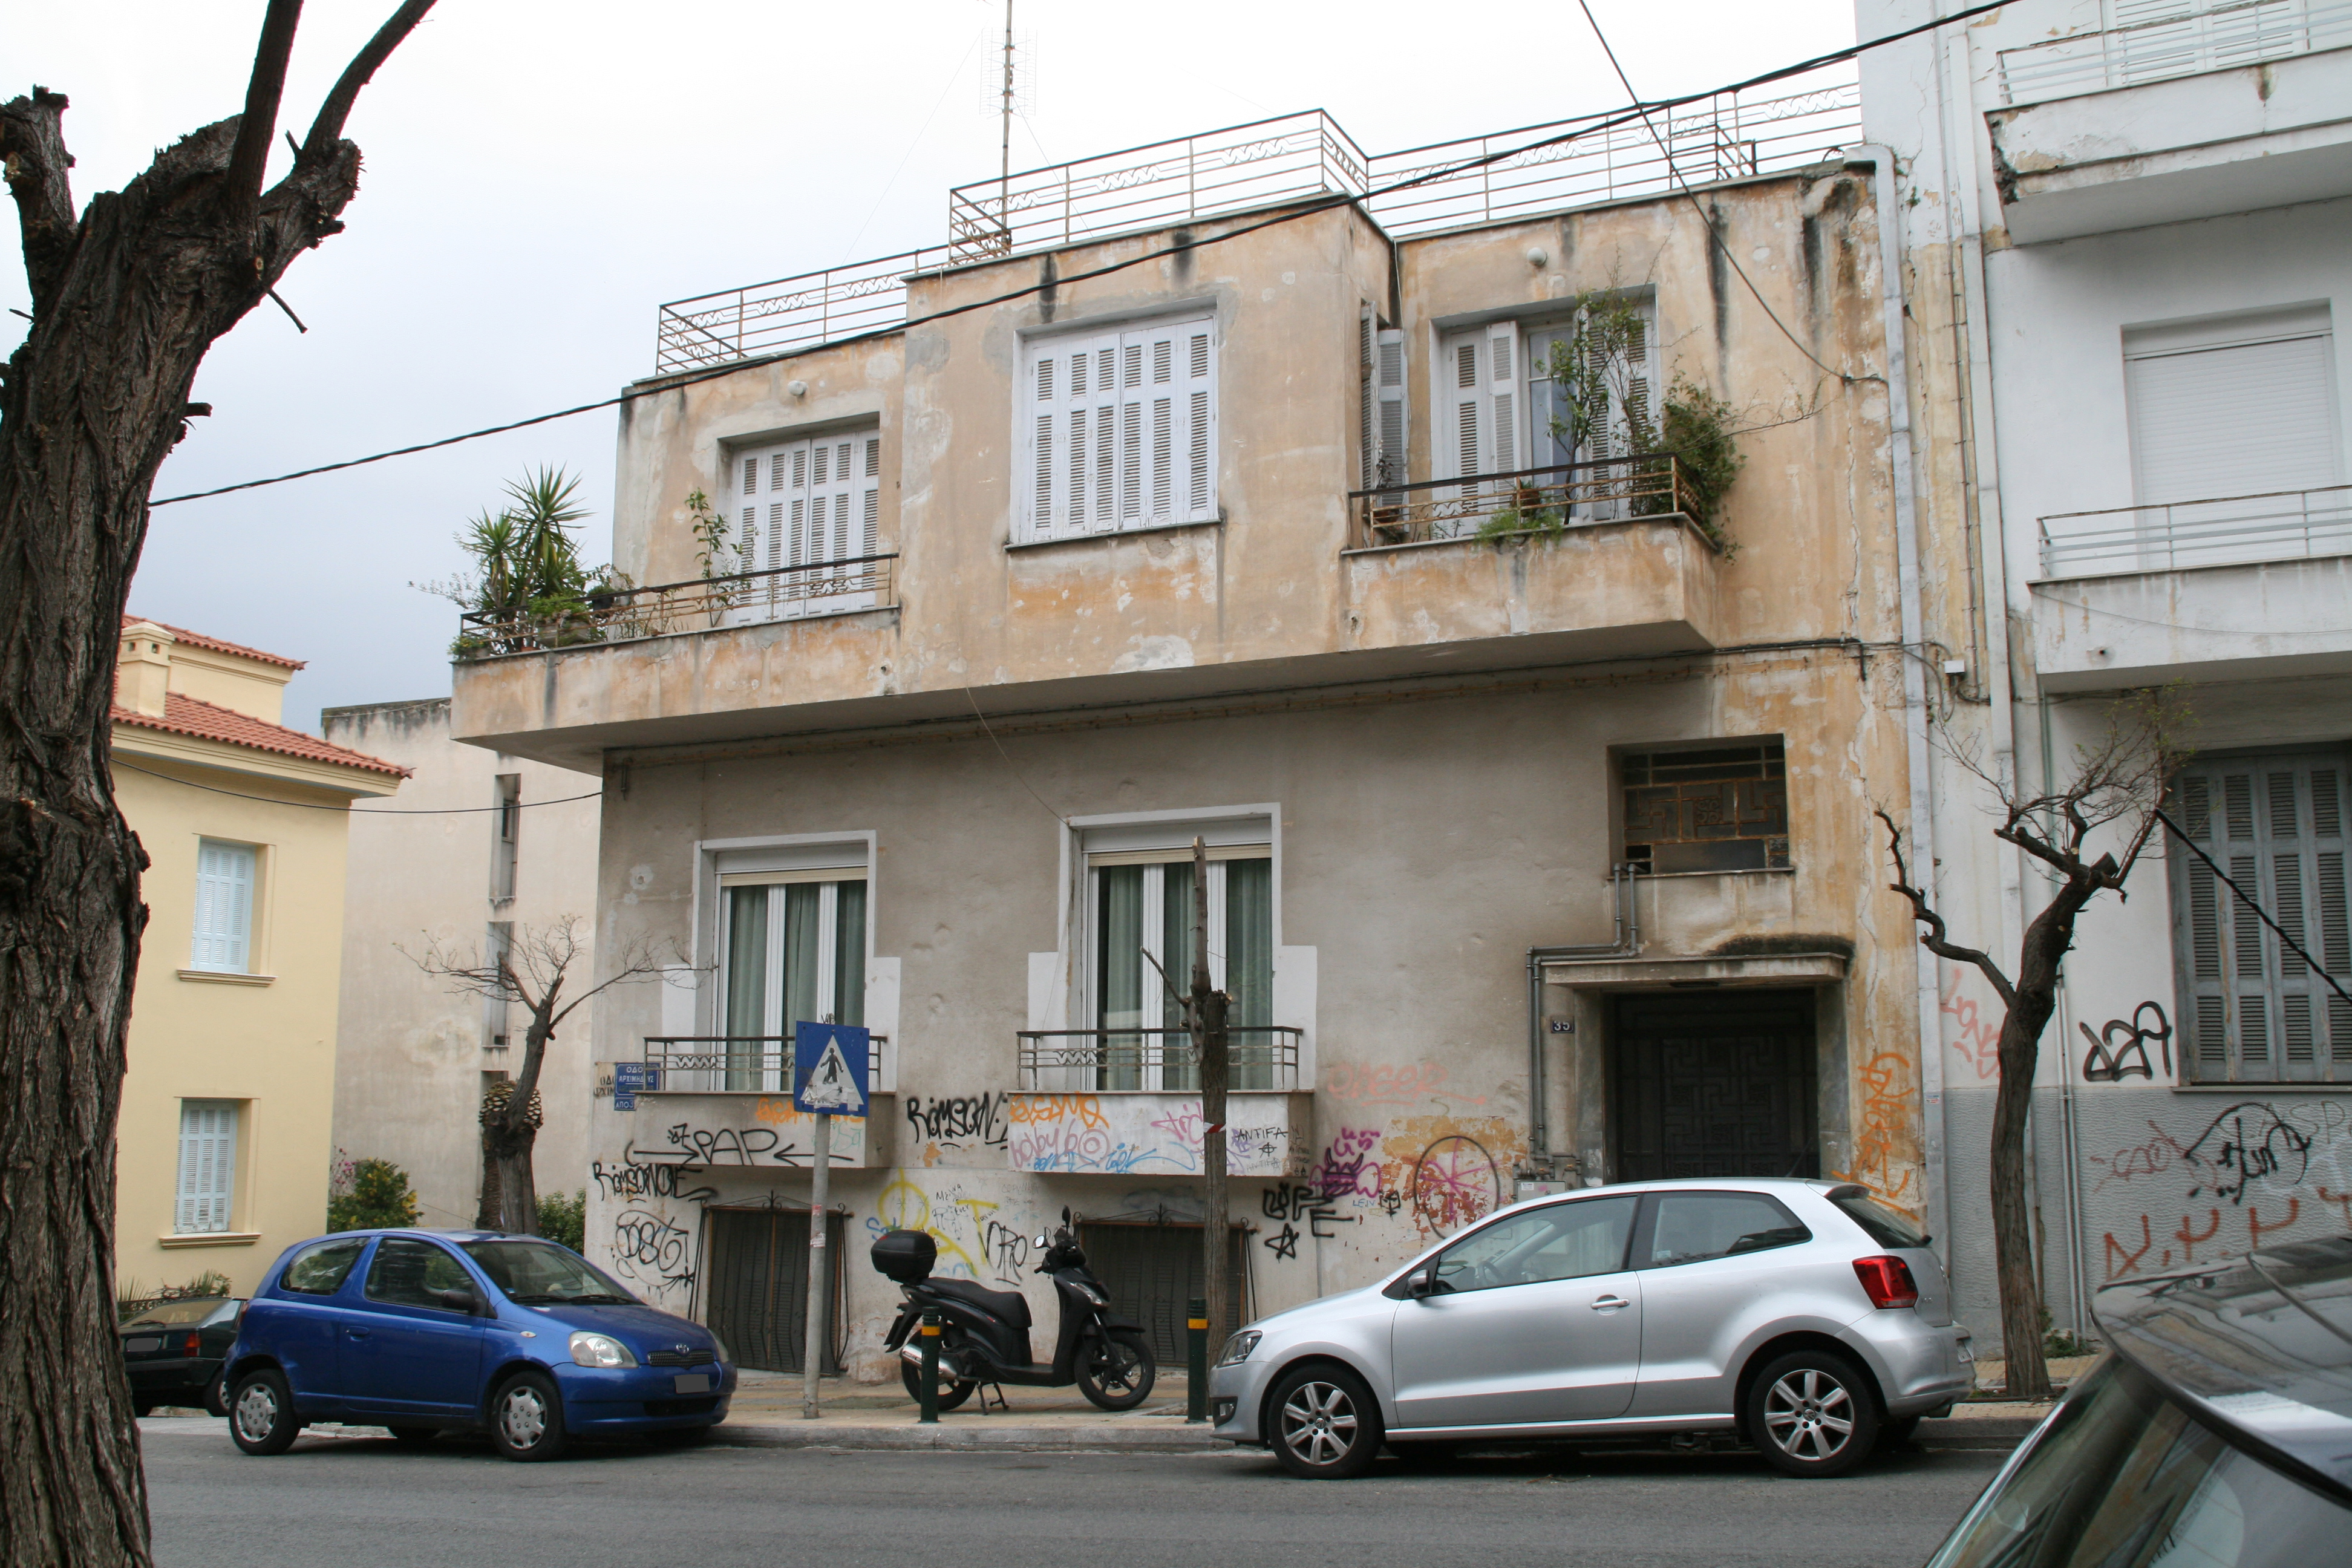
(1885, 1125)
(2255, 1227)
(2190, 1239)
(1978, 1041)
(2130, 1259)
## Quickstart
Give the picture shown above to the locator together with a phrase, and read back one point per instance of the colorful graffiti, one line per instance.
(1122, 1134)
(1885, 1146)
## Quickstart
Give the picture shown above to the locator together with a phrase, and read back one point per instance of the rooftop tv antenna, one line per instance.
(1005, 144)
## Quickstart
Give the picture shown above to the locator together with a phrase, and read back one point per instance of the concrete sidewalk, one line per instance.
(766, 1413)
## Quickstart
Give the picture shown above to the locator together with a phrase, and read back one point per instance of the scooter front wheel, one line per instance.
(952, 1391)
(1119, 1372)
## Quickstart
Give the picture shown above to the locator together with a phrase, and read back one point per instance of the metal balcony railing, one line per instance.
(702, 604)
(2184, 41)
(2234, 530)
(1292, 157)
(739, 1063)
(1526, 500)
(1115, 1061)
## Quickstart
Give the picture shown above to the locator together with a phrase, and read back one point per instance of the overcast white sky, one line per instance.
(540, 175)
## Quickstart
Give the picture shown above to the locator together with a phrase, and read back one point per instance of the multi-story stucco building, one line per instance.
(498, 849)
(222, 1144)
(2130, 230)
(1537, 801)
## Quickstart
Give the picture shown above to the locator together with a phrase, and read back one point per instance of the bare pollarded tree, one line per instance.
(531, 974)
(128, 295)
(2115, 787)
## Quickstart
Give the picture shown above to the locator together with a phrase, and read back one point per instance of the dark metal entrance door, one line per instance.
(1152, 1270)
(1714, 1084)
(758, 1273)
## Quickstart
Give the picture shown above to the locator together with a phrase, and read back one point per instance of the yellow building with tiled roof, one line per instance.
(225, 1131)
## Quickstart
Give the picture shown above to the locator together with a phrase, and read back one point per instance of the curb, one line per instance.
(2008, 1428)
(1005, 1438)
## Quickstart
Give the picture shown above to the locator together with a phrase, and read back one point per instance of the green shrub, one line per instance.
(563, 1219)
(375, 1196)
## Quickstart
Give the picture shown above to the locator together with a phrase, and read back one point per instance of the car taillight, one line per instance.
(193, 1345)
(1888, 1280)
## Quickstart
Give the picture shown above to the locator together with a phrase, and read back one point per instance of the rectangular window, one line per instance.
(506, 825)
(1725, 808)
(225, 879)
(793, 950)
(1380, 402)
(807, 522)
(498, 948)
(2243, 406)
(1118, 429)
(1141, 924)
(2251, 1009)
(207, 1191)
(1506, 410)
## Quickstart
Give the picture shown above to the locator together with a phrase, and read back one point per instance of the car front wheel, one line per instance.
(1812, 1414)
(261, 1417)
(1326, 1426)
(527, 1417)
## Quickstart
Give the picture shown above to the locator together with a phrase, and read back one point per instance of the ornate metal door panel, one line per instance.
(1721, 1085)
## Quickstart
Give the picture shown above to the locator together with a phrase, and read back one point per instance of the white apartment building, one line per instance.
(2129, 239)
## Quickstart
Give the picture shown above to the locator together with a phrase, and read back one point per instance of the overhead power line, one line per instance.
(1639, 112)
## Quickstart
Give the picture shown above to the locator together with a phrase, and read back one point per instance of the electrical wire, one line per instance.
(359, 810)
(2248, 899)
(1304, 210)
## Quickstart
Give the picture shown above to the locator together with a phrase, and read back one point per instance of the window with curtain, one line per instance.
(793, 950)
(1142, 923)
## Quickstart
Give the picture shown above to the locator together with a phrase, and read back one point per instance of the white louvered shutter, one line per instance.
(1194, 441)
(1368, 400)
(1503, 404)
(1462, 368)
(870, 498)
(2233, 419)
(223, 933)
(1391, 349)
(207, 1166)
(1119, 430)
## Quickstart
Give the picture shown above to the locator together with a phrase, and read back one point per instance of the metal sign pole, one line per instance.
(812, 1356)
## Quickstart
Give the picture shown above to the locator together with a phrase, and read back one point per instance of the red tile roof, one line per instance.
(198, 640)
(194, 716)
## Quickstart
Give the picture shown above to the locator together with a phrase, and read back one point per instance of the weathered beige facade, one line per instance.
(413, 1056)
(1426, 737)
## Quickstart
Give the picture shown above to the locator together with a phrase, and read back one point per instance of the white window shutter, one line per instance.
(1504, 447)
(1196, 421)
(207, 1166)
(223, 930)
(1367, 400)
(1462, 370)
(869, 500)
(1117, 431)
(1391, 465)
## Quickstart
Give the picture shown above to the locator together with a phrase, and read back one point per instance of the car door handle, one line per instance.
(1609, 1303)
(357, 1333)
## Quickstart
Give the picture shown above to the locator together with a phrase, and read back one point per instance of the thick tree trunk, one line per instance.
(2047, 939)
(511, 1131)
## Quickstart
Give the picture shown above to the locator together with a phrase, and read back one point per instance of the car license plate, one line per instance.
(141, 1347)
(692, 1382)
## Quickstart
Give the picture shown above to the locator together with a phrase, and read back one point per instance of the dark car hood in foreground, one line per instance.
(642, 1328)
(2260, 1345)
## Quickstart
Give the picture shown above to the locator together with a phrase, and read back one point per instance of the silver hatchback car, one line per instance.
(1802, 1316)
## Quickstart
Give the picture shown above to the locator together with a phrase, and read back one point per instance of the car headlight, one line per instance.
(1238, 1348)
(599, 1350)
(718, 1347)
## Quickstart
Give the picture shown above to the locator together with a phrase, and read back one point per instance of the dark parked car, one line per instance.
(174, 1352)
(2216, 1433)
(422, 1332)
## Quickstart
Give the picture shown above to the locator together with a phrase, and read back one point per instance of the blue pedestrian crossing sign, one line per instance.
(829, 1069)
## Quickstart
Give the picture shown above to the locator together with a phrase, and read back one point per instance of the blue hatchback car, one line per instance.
(424, 1331)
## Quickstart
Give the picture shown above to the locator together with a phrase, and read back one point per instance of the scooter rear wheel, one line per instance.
(952, 1391)
(1119, 1372)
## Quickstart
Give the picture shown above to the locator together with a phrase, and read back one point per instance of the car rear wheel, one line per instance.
(216, 1394)
(527, 1417)
(1326, 1426)
(1812, 1413)
(261, 1417)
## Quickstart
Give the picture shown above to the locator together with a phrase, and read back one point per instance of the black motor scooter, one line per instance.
(984, 1333)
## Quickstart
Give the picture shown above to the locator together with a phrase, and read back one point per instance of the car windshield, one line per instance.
(538, 1271)
(1881, 1224)
(174, 1314)
(2123, 1477)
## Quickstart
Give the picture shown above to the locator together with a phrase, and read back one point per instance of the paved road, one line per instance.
(362, 1503)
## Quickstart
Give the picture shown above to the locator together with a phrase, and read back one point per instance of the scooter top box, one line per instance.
(906, 1256)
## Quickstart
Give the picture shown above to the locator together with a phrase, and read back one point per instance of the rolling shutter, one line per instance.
(223, 933)
(2240, 410)
(207, 1166)
(2253, 1010)
(1119, 430)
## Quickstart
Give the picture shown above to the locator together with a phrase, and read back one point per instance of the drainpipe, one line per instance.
(1938, 1206)
(1623, 891)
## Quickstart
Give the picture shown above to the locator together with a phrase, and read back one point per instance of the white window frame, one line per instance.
(724, 863)
(228, 886)
(1156, 466)
(1501, 399)
(781, 514)
(204, 1199)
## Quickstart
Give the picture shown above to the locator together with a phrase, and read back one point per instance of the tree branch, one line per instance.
(32, 138)
(1934, 940)
(328, 129)
(247, 159)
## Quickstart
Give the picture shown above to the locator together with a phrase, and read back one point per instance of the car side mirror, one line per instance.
(1420, 1282)
(457, 1301)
